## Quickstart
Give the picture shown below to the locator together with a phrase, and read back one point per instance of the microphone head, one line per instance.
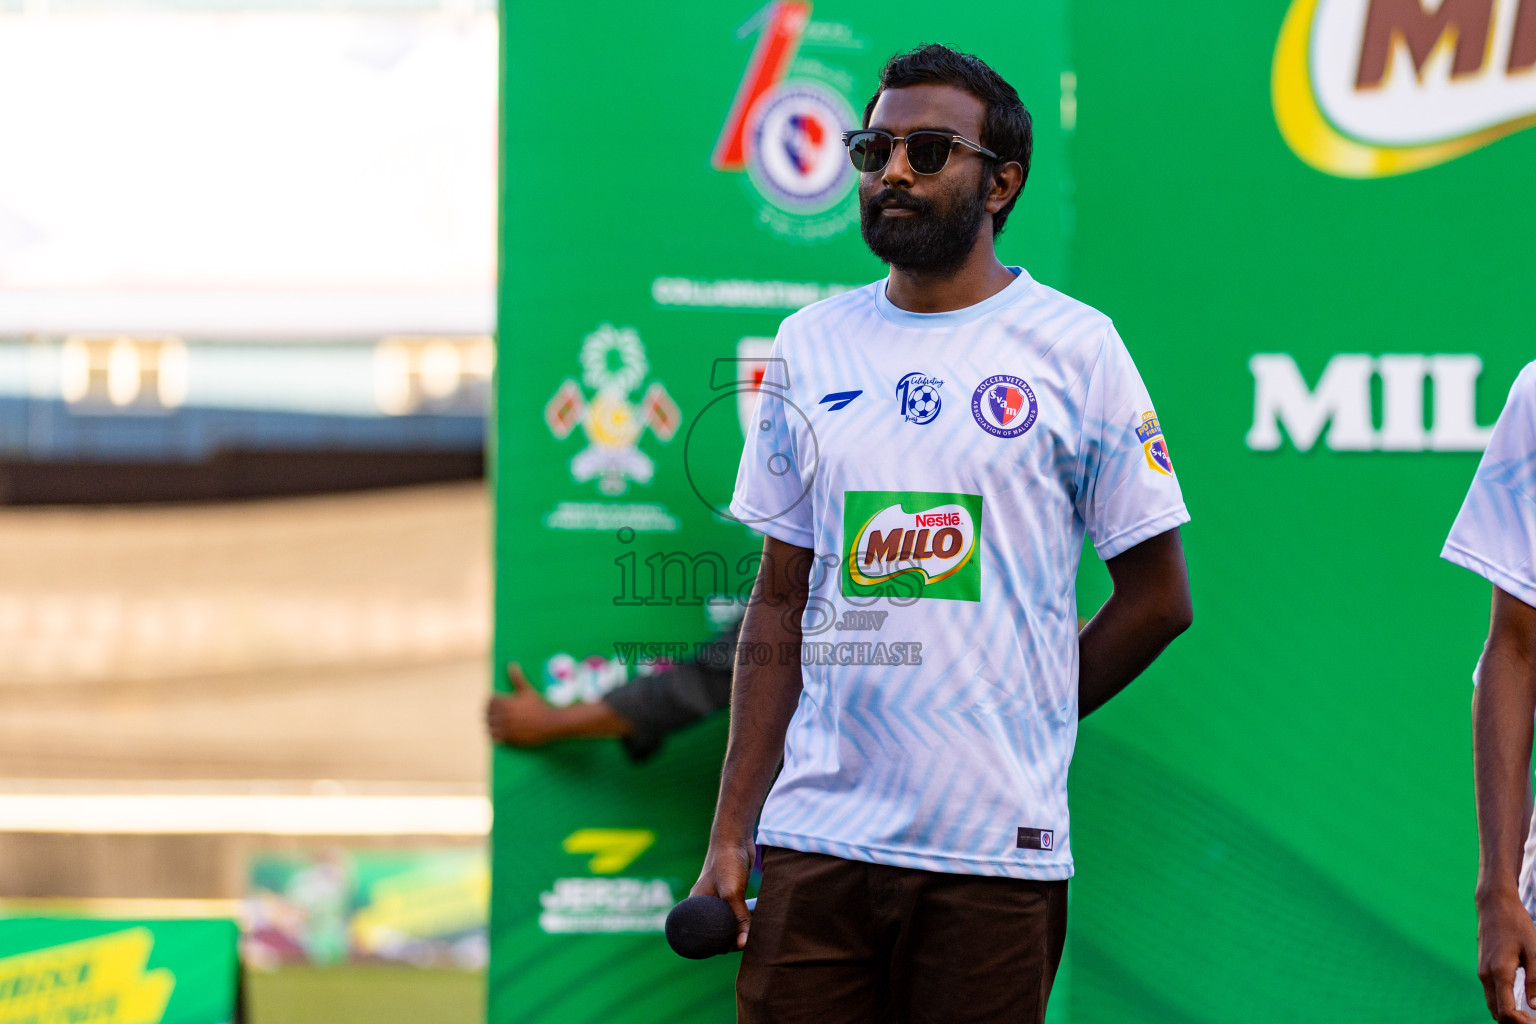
(701, 927)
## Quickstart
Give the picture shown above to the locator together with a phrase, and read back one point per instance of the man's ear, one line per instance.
(1007, 180)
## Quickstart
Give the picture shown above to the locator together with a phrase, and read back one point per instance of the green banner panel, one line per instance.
(1312, 224)
(673, 186)
(61, 970)
(1309, 220)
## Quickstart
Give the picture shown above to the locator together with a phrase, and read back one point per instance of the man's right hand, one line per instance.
(1506, 940)
(522, 718)
(763, 700)
(727, 866)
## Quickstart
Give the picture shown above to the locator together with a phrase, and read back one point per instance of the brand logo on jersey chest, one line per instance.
(912, 544)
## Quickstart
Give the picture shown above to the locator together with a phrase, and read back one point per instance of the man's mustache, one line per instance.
(890, 197)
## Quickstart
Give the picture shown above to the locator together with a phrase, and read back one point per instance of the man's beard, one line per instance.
(930, 241)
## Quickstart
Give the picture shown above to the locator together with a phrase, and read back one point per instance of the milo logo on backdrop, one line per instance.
(1371, 88)
(785, 125)
(912, 544)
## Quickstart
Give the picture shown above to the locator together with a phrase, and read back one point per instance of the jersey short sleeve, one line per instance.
(1126, 488)
(1495, 533)
(774, 478)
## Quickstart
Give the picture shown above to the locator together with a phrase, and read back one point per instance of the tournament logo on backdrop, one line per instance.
(925, 540)
(1004, 406)
(785, 126)
(917, 396)
(1373, 88)
(1150, 434)
(797, 158)
(614, 366)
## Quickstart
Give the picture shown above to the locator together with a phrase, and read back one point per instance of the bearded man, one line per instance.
(933, 447)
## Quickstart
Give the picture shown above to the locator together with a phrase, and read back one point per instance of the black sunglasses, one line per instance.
(870, 149)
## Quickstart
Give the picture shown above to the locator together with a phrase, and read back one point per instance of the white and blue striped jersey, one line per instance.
(1495, 532)
(944, 467)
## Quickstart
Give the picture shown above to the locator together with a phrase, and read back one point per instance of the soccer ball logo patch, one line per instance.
(918, 399)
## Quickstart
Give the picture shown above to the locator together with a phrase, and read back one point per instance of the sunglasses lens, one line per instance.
(869, 151)
(928, 152)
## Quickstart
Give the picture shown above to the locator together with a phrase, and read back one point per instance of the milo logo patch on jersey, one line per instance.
(907, 544)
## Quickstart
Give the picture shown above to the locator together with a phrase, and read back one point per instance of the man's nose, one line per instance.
(897, 171)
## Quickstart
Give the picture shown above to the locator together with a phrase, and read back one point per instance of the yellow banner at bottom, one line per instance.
(93, 981)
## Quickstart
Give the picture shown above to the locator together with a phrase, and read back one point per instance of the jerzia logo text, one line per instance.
(922, 543)
(1370, 88)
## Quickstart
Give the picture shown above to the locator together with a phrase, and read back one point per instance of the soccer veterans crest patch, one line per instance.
(1154, 444)
(1004, 406)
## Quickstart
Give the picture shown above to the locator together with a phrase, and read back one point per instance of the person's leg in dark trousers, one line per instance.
(813, 955)
(974, 949)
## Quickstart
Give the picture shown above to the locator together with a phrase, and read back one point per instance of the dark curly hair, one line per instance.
(1007, 131)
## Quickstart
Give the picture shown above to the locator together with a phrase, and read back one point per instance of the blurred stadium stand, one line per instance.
(261, 262)
(247, 248)
(122, 419)
(307, 649)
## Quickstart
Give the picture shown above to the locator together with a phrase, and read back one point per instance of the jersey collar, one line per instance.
(1022, 282)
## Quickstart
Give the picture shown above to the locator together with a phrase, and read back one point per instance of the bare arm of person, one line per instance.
(1149, 607)
(1502, 709)
(523, 718)
(763, 700)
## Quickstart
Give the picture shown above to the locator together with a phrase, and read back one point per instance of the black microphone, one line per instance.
(703, 926)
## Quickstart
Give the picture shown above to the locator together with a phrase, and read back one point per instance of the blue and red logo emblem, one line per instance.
(804, 136)
(1004, 406)
(796, 158)
(1150, 433)
(784, 129)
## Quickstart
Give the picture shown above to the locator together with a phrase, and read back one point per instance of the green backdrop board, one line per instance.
(1320, 255)
(646, 237)
(1310, 222)
(57, 969)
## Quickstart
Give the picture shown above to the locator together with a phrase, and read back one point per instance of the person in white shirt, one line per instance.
(927, 455)
(1495, 537)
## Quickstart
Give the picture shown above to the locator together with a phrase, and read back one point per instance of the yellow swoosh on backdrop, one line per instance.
(1307, 131)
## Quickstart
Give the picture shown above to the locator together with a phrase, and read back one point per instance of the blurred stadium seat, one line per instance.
(276, 282)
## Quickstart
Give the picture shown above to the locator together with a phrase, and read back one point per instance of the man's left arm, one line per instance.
(1149, 607)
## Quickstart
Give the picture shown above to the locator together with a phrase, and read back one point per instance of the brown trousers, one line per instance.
(836, 941)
